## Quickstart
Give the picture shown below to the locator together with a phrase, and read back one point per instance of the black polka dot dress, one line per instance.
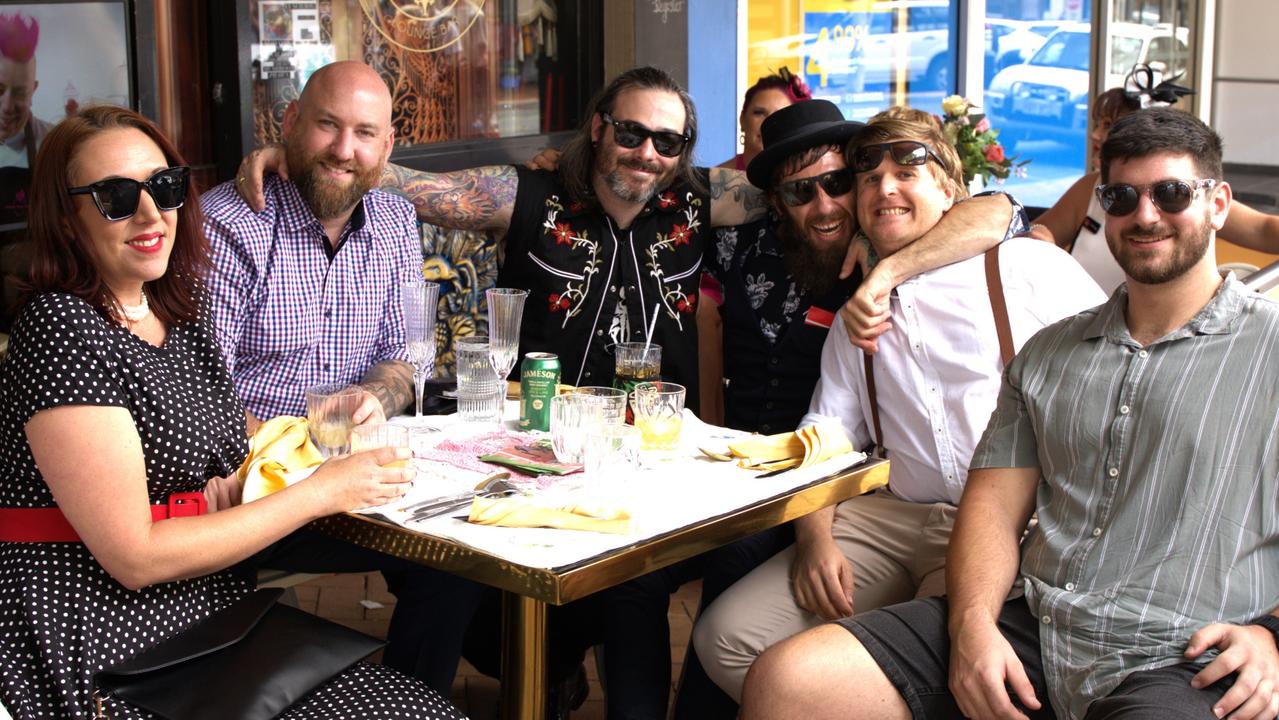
(62, 617)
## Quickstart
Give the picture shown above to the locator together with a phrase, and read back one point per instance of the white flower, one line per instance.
(757, 287)
(725, 244)
(955, 105)
(770, 330)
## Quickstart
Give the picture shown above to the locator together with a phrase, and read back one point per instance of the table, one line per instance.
(527, 590)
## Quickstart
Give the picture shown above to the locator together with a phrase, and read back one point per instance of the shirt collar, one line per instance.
(294, 206)
(1215, 318)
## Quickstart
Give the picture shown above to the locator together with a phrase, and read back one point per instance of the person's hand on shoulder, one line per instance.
(360, 480)
(269, 158)
(822, 580)
(548, 159)
(1250, 653)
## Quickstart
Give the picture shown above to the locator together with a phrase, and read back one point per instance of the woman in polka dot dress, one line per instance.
(113, 398)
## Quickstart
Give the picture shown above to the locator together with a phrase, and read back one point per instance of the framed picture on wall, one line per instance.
(55, 57)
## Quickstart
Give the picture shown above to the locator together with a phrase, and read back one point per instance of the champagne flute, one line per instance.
(419, 299)
(506, 309)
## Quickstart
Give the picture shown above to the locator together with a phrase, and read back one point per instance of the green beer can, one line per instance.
(539, 380)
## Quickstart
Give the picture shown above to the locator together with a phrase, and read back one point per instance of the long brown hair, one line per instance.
(62, 262)
(577, 162)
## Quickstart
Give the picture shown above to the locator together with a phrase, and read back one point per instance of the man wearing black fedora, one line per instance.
(937, 373)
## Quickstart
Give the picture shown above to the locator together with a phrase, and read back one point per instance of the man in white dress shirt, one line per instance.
(936, 378)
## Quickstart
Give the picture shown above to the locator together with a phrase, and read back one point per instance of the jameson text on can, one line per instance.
(539, 379)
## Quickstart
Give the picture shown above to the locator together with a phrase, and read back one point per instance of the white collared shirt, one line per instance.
(938, 369)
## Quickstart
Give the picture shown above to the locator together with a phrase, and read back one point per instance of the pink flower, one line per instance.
(995, 153)
(982, 125)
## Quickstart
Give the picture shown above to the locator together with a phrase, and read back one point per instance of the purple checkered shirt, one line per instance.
(287, 316)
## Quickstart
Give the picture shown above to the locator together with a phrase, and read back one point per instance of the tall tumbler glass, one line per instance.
(419, 299)
(330, 415)
(479, 393)
(506, 309)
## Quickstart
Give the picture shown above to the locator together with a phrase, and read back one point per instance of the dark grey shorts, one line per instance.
(912, 647)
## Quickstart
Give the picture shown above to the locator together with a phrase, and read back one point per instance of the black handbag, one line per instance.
(250, 660)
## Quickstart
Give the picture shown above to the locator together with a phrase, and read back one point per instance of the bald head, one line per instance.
(338, 137)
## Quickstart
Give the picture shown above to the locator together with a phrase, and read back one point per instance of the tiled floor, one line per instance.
(346, 599)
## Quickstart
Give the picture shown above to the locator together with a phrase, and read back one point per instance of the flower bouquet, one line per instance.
(977, 142)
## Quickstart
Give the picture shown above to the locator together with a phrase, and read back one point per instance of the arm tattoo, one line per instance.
(391, 382)
(733, 199)
(476, 199)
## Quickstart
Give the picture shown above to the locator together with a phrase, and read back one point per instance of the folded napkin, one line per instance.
(519, 512)
(281, 445)
(802, 448)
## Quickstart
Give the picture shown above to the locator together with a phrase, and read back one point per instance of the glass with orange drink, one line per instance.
(659, 414)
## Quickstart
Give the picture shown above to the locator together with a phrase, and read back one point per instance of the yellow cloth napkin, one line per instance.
(802, 448)
(518, 512)
(281, 445)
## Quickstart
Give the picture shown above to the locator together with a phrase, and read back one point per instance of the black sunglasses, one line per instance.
(903, 152)
(1171, 196)
(801, 192)
(117, 198)
(630, 135)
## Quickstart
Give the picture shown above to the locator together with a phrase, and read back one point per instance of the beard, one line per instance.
(326, 197)
(814, 268)
(1188, 249)
(619, 185)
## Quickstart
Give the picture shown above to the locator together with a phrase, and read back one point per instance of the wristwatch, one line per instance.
(1269, 622)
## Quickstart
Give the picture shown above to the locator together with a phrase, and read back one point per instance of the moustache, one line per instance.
(640, 165)
(1148, 232)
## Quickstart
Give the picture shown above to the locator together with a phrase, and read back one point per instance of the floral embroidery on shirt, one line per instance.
(725, 245)
(667, 200)
(573, 296)
(757, 287)
(674, 299)
(770, 330)
(791, 303)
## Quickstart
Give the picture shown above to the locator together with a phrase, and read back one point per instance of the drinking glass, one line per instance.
(419, 299)
(612, 401)
(330, 411)
(636, 362)
(506, 309)
(611, 449)
(572, 417)
(479, 392)
(659, 414)
(372, 437)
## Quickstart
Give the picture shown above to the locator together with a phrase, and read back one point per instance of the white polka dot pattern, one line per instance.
(61, 616)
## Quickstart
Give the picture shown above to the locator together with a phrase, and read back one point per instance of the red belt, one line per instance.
(50, 525)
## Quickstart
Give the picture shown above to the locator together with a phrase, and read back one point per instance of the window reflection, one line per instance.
(463, 69)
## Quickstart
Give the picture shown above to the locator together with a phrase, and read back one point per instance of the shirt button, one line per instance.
(773, 382)
(1123, 409)
(1143, 353)
(769, 405)
(326, 367)
(1046, 620)
(328, 313)
(773, 361)
(765, 427)
(599, 333)
(1113, 472)
(1070, 587)
(1096, 532)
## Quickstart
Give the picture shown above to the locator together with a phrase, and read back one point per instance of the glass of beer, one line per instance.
(659, 414)
(637, 362)
(371, 437)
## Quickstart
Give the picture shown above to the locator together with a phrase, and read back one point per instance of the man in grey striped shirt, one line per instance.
(1144, 434)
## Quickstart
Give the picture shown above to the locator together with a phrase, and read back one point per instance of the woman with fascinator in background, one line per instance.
(1077, 224)
(118, 415)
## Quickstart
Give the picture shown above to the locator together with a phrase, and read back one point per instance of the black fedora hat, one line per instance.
(796, 128)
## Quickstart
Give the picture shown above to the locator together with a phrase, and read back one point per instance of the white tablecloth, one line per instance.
(668, 493)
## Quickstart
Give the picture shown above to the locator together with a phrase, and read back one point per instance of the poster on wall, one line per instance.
(54, 59)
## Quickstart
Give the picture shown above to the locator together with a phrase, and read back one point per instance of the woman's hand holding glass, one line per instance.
(361, 480)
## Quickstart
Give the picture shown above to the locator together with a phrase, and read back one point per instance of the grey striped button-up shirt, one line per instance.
(1157, 497)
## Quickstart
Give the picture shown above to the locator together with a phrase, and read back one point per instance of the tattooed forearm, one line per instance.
(476, 199)
(733, 199)
(391, 382)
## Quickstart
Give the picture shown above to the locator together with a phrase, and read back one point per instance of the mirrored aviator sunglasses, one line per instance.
(630, 135)
(118, 198)
(801, 192)
(904, 152)
(1170, 196)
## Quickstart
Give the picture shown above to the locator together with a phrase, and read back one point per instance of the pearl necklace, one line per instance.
(136, 313)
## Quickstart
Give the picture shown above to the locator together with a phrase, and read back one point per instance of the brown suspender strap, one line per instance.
(874, 403)
(998, 306)
(995, 285)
